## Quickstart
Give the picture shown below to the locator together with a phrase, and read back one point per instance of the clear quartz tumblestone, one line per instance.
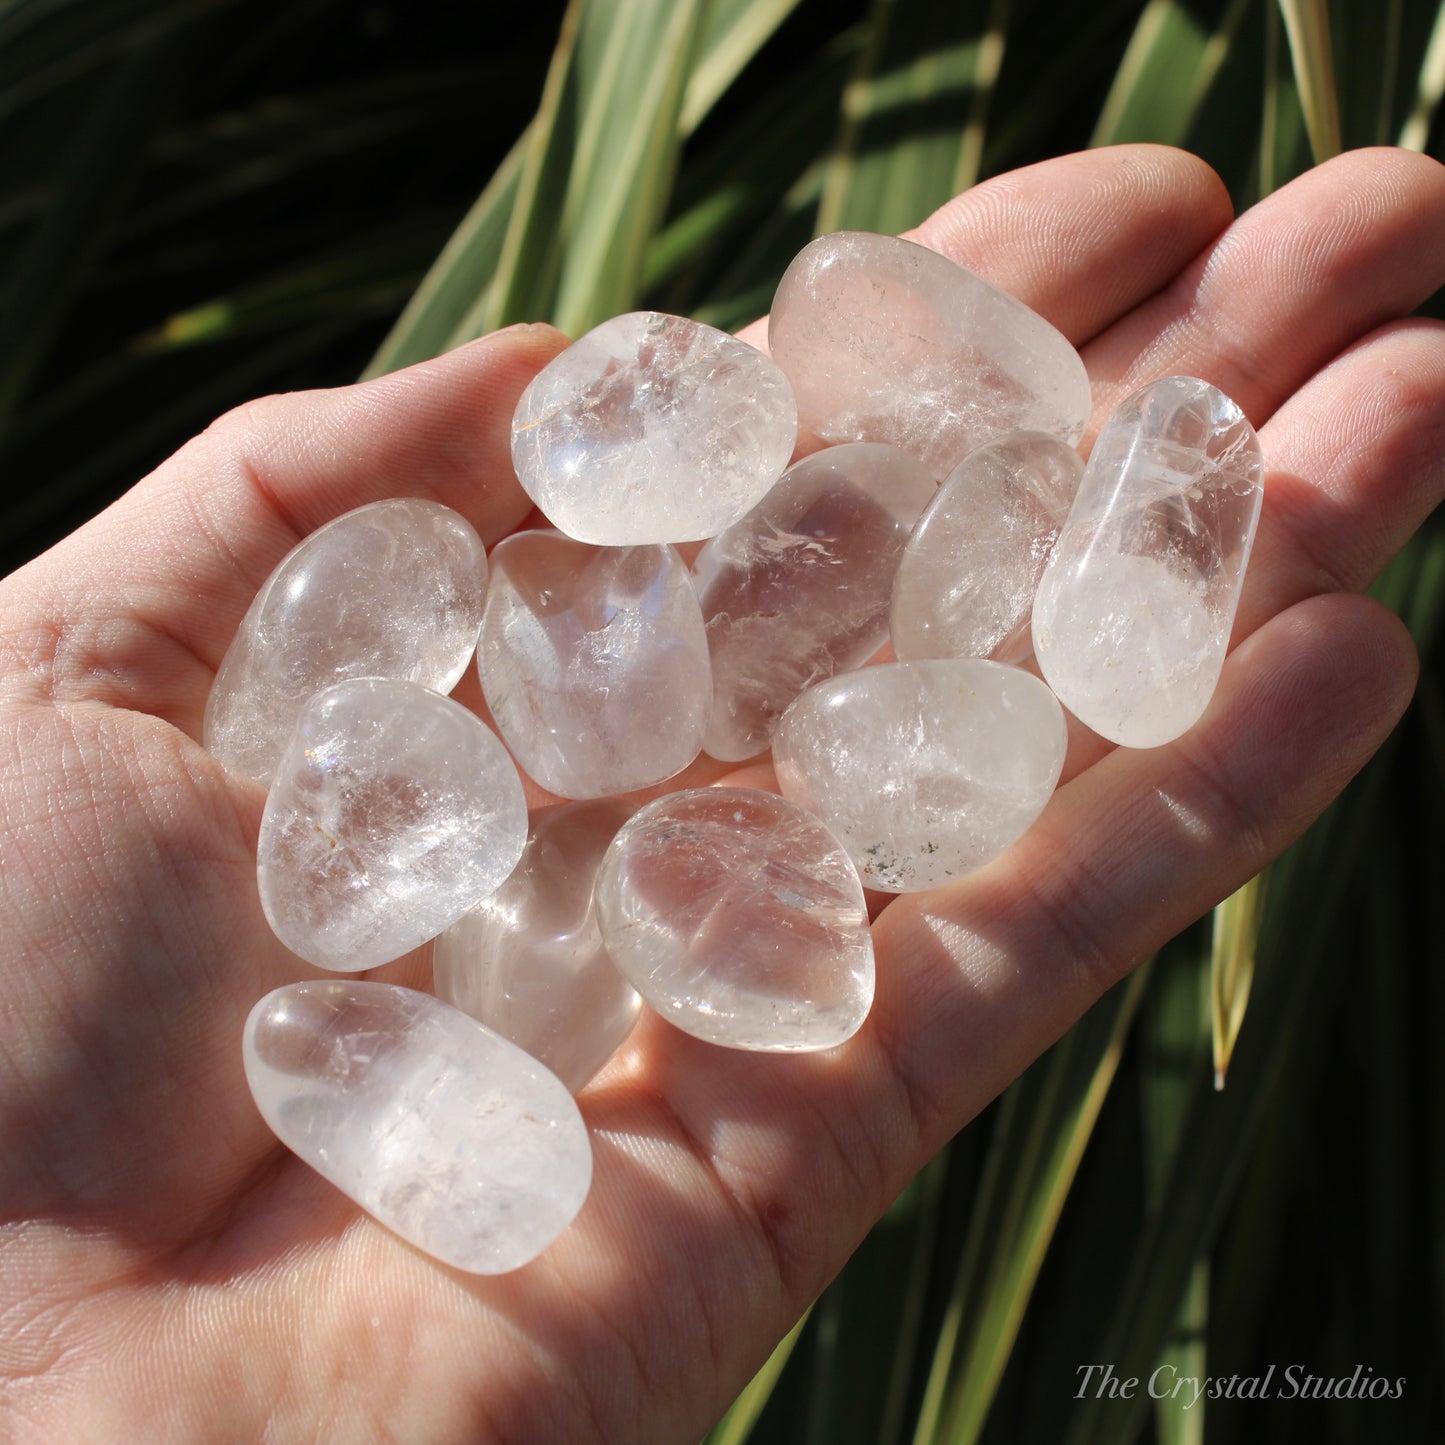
(737, 916)
(967, 577)
(579, 644)
(923, 770)
(799, 588)
(529, 961)
(887, 341)
(441, 1129)
(393, 589)
(652, 428)
(394, 810)
(1134, 611)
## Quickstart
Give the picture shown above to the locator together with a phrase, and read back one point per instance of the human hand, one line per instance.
(168, 1270)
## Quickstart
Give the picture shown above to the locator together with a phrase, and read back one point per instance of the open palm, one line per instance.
(167, 1270)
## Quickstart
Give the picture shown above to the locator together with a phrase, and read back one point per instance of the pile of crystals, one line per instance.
(940, 505)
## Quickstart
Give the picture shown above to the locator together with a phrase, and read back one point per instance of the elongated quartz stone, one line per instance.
(887, 341)
(594, 662)
(799, 588)
(967, 577)
(393, 589)
(394, 810)
(438, 1127)
(738, 917)
(923, 770)
(529, 961)
(652, 428)
(1134, 611)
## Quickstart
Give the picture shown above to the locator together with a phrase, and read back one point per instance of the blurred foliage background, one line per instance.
(204, 200)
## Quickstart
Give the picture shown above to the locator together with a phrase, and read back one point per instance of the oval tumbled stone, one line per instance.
(1134, 611)
(529, 961)
(594, 662)
(924, 770)
(966, 580)
(652, 428)
(887, 341)
(393, 589)
(799, 588)
(438, 1127)
(394, 810)
(737, 916)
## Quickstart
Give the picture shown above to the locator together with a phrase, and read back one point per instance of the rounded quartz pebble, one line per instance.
(652, 428)
(393, 589)
(436, 1126)
(1134, 611)
(578, 643)
(529, 961)
(924, 770)
(394, 810)
(887, 341)
(967, 577)
(799, 588)
(736, 916)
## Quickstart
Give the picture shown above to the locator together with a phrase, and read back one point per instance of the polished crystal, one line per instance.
(529, 960)
(967, 577)
(394, 810)
(737, 916)
(393, 589)
(887, 341)
(1133, 615)
(438, 1127)
(799, 588)
(652, 428)
(923, 770)
(594, 662)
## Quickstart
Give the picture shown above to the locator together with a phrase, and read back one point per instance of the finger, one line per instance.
(1084, 238)
(1136, 848)
(138, 607)
(1356, 463)
(1348, 246)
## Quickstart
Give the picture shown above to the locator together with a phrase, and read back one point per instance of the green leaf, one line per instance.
(869, 1321)
(1173, 59)
(736, 1426)
(459, 276)
(734, 32)
(1282, 151)
(567, 227)
(1044, 1125)
(1307, 24)
(1231, 967)
(1299, 950)
(1429, 90)
(1172, 1034)
(914, 115)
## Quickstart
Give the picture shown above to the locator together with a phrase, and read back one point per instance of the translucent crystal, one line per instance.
(529, 961)
(1135, 608)
(394, 810)
(652, 428)
(389, 590)
(923, 770)
(594, 662)
(966, 580)
(738, 917)
(887, 341)
(440, 1128)
(799, 588)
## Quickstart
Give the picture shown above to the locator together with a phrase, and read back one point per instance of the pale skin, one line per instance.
(169, 1272)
